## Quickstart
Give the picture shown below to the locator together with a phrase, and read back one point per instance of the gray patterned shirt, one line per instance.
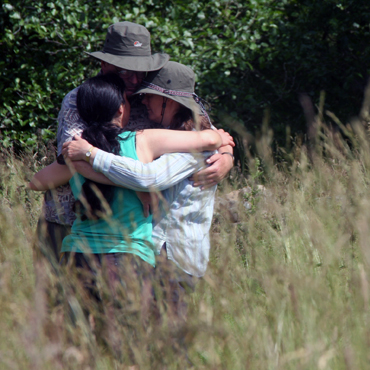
(58, 203)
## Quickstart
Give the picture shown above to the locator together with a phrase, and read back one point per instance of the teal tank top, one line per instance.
(126, 230)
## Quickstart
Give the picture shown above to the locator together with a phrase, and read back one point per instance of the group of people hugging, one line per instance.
(131, 193)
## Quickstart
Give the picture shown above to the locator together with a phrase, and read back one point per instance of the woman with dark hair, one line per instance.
(102, 131)
(110, 230)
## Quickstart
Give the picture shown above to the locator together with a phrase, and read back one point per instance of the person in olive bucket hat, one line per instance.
(181, 233)
(175, 82)
(127, 53)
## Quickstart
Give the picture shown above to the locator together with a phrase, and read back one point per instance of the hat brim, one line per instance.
(133, 63)
(187, 102)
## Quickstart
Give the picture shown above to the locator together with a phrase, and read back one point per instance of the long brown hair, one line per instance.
(184, 120)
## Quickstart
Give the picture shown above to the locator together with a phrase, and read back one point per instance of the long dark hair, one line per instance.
(98, 100)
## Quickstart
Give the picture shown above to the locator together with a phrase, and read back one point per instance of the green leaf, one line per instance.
(15, 15)
(8, 6)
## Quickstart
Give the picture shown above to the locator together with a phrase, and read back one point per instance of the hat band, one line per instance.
(185, 94)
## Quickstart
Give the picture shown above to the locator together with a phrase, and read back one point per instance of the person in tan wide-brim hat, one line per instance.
(176, 82)
(127, 46)
(127, 54)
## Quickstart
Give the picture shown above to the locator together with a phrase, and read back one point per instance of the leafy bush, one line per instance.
(42, 48)
(248, 56)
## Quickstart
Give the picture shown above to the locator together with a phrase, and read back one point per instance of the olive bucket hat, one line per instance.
(127, 46)
(174, 81)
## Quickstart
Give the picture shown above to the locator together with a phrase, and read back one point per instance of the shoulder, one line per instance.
(127, 135)
(69, 112)
(69, 101)
(128, 144)
(69, 121)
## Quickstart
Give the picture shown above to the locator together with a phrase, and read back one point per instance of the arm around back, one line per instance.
(160, 174)
(50, 177)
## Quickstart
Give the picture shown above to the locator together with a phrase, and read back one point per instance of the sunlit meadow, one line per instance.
(287, 285)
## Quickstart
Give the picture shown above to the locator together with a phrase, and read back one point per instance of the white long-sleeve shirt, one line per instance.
(186, 215)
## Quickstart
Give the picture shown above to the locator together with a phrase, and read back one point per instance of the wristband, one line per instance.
(229, 154)
(88, 154)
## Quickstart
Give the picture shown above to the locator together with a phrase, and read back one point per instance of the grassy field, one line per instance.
(287, 285)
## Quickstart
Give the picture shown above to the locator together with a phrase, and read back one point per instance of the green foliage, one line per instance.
(42, 58)
(248, 56)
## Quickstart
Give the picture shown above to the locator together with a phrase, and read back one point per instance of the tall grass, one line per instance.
(287, 286)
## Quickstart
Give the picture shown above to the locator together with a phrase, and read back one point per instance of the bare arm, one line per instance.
(56, 175)
(156, 142)
(50, 177)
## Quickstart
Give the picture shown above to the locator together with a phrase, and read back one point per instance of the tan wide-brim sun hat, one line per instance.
(127, 46)
(174, 81)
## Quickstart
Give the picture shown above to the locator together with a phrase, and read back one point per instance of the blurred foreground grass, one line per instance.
(287, 285)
